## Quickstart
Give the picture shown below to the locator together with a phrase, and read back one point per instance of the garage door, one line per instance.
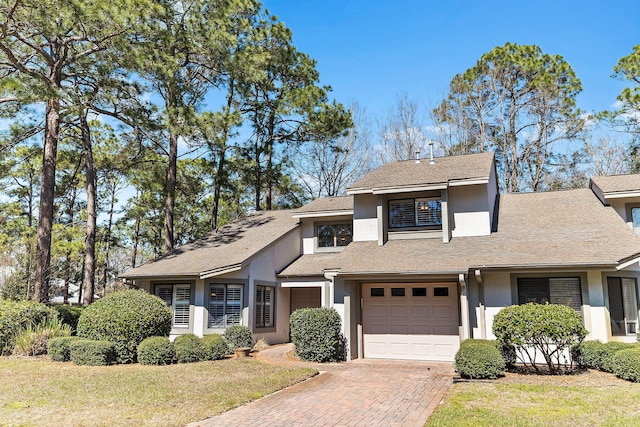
(410, 321)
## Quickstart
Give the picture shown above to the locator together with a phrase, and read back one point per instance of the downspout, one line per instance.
(464, 308)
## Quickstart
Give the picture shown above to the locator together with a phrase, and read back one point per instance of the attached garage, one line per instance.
(416, 321)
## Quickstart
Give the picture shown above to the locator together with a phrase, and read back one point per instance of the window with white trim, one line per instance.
(552, 290)
(623, 305)
(424, 212)
(334, 235)
(225, 305)
(265, 297)
(178, 297)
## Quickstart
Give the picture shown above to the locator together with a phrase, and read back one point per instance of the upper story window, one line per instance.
(425, 212)
(635, 219)
(334, 235)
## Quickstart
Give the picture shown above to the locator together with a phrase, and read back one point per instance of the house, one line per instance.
(417, 257)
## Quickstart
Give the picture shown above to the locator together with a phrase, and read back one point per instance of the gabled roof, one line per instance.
(410, 175)
(616, 186)
(555, 229)
(326, 206)
(225, 250)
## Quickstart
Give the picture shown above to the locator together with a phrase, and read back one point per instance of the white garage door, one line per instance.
(410, 321)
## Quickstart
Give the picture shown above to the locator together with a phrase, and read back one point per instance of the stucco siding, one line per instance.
(469, 210)
(365, 221)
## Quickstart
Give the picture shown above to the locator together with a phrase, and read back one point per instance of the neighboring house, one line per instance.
(419, 256)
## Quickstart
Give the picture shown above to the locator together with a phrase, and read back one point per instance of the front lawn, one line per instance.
(588, 399)
(38, 392)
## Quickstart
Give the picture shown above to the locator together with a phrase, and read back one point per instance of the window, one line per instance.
(415, 213)
(419, 292)
(377, 292)
(397, 292)
(440, 292)
(623, 305)
(178, 297)
(265, 296)
(334, 235)
(556, 290)
(635, 219)
(225, 305)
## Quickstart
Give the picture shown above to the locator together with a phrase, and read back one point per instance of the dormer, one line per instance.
(444, 198)
(327, 224)
(621, 192)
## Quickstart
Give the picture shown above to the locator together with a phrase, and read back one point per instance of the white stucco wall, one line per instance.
(365, 221)
(469, 210)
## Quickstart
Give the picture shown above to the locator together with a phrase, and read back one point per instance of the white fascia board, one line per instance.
(622, 194)
(323, 214)
(352, 191)
(391, 190)
(628, 263)
(314, 284)
(462, 182)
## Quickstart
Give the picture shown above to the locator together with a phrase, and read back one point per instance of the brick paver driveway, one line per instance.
(358, 393)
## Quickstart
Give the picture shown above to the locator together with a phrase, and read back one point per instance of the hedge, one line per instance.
(215, 346)
(316, 334)
(479, 359)
(189, 348)
(16, 316)
(69, 314)
(59, 349)
(597, 355)
(156, 351)
(238, 336)
(125, 318)
(626, 364)
(92, 352)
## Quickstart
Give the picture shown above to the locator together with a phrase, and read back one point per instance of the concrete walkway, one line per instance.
(356, 393)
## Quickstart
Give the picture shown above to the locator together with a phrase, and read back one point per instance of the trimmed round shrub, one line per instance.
(626, 364)
(69, 314)
(189, 348)
(215, 346)
(156, 351)
(59, 349)
(92, 352)
(316, 334)
(479, 359)
(590, 354)
(125, 318)
(238, 336)
(550, 330)
(16, 316)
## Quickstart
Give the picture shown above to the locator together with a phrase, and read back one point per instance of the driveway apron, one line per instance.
(357, 393)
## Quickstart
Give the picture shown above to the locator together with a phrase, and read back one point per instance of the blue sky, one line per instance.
(370, 51)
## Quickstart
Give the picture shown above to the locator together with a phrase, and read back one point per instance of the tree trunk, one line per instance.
(88, 279)
(170, 201)
(217, 190)
(47, 189)
(136, 237)
(107, 249)
(258, 174)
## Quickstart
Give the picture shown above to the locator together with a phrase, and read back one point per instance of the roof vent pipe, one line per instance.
(431, 161)
(417, 156)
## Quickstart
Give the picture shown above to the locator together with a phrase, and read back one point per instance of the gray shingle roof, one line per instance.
(564, 228)
(408, 173)
(342, 204)
(617, 183)
(231, 245)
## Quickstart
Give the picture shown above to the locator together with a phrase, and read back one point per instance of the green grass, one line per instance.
(496, 405)
(38, 392)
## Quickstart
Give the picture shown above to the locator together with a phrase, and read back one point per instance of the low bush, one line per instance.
(92, 352)
(125, 318)
(156, 351)
(32, 341)
(69, 314)
(18, 315)
(238, 336)
(216, 347)
(626, 364)
(59, 349)
(189, 348)
(316, 334)
(550, 330)
(479, 359)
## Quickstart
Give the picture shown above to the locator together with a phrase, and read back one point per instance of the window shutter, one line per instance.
(629, 300)
(165, 293)
(216, 306)
(234, 305)
(181, 305)
(428, 212)
(566, 291)
(533, 289)
(402, 213)
(268, 306)
(259, 306)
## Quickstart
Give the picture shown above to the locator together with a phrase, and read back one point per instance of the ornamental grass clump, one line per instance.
(16, 316)
(125, 318)
(548, 330)
(32, 341)
(316, 334)
(479, 359)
